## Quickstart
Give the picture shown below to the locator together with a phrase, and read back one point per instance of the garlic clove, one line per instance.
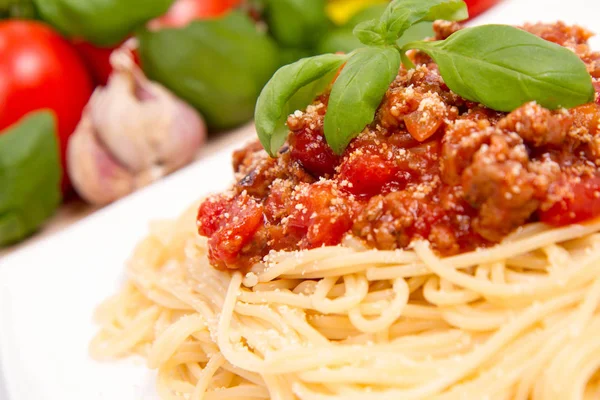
(96, 175)
(136, 132)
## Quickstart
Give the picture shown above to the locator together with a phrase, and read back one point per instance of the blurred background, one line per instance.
(101, 98)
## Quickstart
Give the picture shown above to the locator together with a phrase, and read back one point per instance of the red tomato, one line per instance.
(581, 202)
(476, 7)
(183, 12)
(97, 60)
(39, 69)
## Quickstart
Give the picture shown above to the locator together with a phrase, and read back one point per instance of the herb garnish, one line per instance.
(500, 66)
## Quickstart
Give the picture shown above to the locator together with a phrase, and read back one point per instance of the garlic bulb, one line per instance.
(132, 132)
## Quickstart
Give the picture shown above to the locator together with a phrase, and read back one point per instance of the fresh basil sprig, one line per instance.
(29, 176)
(504, 67)
(402, 14)
(500, 66)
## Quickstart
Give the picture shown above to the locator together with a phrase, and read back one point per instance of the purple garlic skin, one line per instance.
(132, 132)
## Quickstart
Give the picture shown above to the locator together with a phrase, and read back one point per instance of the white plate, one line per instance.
(48, 291)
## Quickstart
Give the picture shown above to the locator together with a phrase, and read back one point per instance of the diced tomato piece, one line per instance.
(321, 216)
(239, 224)
(367, 175)
(210, 215)
(581, 202)
(312, 152)
(422, 124)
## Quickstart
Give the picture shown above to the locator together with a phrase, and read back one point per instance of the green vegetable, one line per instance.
(103, 22)
(291, 88)
(402, 14)
(357, 93)
(504, 67)
(499, 66)
(24, 9)
(219, 66)
(30, 175)
(297, 23)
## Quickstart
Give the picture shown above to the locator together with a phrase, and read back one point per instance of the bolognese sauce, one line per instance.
(432, 165)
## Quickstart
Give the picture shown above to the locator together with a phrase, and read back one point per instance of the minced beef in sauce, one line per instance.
(431, 165)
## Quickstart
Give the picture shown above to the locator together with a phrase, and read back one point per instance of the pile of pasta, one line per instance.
(516, 321)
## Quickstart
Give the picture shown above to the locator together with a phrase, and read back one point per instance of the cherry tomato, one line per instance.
(476, 7)
(39, 69)
(183, 12)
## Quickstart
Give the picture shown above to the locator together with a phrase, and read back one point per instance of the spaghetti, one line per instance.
(514, 321)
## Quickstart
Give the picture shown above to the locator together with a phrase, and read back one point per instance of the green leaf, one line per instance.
(370, 33)
(219, 66)
(293, 87)
(297, 23)
(402, 14)
(504, 67)
(30, 174)
(357, 93)
(103, 22)
(343, 39)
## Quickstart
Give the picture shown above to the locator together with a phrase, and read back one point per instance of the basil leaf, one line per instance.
(402, 14)
(30, 176)
(504, 67)
(219, 66)
(370, 33)
(297, 23)
(103, 22)
(292, 87)
(343, 39)
(357, 93)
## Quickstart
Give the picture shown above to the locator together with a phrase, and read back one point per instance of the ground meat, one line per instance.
(538, 126)
(443, 29)
(432, 166)
(499, 184)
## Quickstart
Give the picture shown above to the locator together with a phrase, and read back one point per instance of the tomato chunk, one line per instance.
(237, 225)
(210, 215)
(319, 217)
(312, 152)
(370, 174)
(580, 202)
